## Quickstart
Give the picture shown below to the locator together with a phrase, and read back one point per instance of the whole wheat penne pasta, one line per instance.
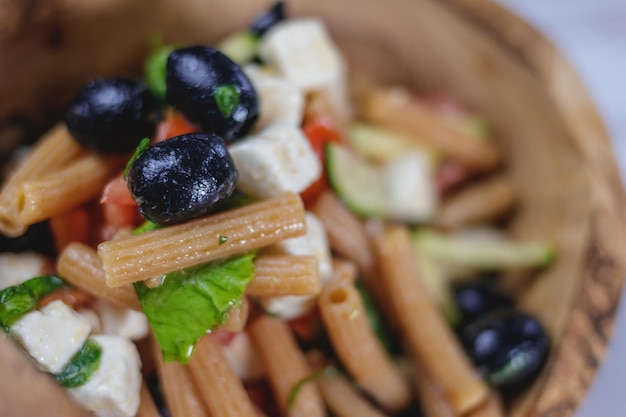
(395, 108)
(276, 275)
(483, 202)
(344, 400)
(158, 252)
(428, 336)
(285, 367)
(431, 398)
(53, 151)
(60, 191)
(221, 390)
(237, 317)
(358, 348)
(344, 270)
(181, 394)
(492, 407)
(80, 265)
(147, 408)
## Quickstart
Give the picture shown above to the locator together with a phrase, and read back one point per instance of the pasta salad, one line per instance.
(252, 229)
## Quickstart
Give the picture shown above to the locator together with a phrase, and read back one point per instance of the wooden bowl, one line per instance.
(557, 149)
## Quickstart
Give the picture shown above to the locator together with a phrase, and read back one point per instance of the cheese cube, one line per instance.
(275, 160)
(303, 52)
(51, 335)
(122, 321)
(279, 99)
(15, 268)
(113, 389)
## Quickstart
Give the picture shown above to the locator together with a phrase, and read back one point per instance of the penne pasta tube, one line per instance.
(285, 367)
(482, 202)
(53, 151)
(344, 270)
(220, 388)
(80, 265)
(428, 336)
(431, 398)
(277, 275)
(343, 399)
(395, 108)
(147, 408)
(171, 248)
(490, 408)
(237, 317)
(181, 394)
(358, 348)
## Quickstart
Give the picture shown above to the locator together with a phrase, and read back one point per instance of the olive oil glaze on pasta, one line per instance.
(261, 234)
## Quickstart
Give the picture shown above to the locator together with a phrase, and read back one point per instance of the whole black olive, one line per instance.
(112, 115)
(508, 347)
(265, 21)
(478, 298)
(182, 178)
(211, 91)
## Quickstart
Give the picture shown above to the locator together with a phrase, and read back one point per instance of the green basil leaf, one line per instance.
(82, 365)
(143, 145)
(155, 69)
(15, 301)
(147, 226)
(192, 302)
(227, 98)
(295, 390)
(374, 317)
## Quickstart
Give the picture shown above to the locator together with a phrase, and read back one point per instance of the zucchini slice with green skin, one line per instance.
(484, 254)
(401, 189)
(357, 183)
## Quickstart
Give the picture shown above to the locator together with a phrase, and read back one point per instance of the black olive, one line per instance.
(265, 21)
(509, 348)
(112, 115)
(211, 91)
(478, 298)
(182, 178)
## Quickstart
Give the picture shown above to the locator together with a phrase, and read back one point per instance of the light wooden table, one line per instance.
(592, 34)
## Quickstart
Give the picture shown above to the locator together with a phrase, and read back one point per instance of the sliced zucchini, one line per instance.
(484, 253)
(401, 189)
(241, 47)
(358, 184)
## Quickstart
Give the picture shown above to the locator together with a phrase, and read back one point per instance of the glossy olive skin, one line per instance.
(508, 347)
(267, 20)
(477, 298)
(182, 178)
(111, 115)
(195, 77)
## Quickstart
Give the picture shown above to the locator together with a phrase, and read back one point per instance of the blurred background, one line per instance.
(592, 35)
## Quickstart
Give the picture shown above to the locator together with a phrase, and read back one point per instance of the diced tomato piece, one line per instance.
(319, 132)
(72, 226)
(306, 327)
(117, 192)
(174, 124)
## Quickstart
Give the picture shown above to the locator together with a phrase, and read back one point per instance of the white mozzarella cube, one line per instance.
(113, 389)
(122, 321)
(411, 190)
(51, 335)
(275, 160)
(289, 306)
(280, 101)
(15, 268)
(314, 242)
(303, 52)
(243, 358)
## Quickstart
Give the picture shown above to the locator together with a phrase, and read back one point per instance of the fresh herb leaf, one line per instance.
(227, 98)
(143, 145)
(223, 239)
(374, 317)
(192, 302)
(15, 301)
(82, 365)
(155, 69)
(147, 226)
(295, 390)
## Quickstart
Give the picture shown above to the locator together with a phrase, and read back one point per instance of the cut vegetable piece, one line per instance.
(241, 47)
(358, 184)
(438, 287)
(381, 144)
(465, 251)
(402, 189)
